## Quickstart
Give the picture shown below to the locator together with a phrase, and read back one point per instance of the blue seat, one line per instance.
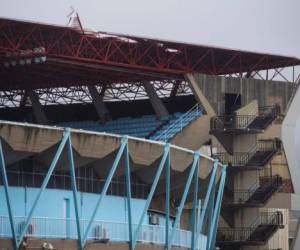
(139, 127)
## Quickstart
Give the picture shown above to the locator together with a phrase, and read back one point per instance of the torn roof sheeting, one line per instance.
(96, 149)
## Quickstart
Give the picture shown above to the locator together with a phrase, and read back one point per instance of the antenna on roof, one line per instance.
(74, 20)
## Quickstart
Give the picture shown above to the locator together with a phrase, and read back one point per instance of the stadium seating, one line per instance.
(175, 125)
(138, 127)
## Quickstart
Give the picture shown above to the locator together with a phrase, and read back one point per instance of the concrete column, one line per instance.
(156, 102)
(100, 106)
(23, 100)
(175, 89)
(37, 108)
(200, 97)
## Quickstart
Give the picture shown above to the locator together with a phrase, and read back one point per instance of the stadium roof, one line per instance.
(76, 57)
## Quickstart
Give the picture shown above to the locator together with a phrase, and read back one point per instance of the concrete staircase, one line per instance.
(258, 233)
(256, 158)
(255, 196)
(227, 127)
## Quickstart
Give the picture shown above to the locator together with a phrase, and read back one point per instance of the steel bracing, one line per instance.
(69, 56)
(80, 94)
(211, 204)
(70, 59)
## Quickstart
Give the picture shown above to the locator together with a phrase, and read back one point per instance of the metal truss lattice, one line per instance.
(80, 94)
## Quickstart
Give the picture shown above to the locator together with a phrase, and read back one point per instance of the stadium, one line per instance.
(110, 141)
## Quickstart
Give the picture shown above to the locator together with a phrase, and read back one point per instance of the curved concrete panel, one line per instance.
(291, 140)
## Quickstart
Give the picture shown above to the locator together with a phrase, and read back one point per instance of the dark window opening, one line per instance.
(232, 103)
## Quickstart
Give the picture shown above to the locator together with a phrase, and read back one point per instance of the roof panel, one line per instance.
(85, 56)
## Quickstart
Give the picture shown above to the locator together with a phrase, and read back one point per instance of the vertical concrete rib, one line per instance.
(156, 102)
(200, 97)
(100, 106)
(38, 111)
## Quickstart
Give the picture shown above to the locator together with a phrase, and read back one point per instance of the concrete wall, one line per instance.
(244, 142)
(51, 204)
(194, 135)
(245, 217)
(249, 109)
(265, 92)
(279, 166)
(245, 179)
(274, 130)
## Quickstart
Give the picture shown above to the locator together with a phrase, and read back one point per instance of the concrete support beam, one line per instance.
(37, 108)
(100, 106)
(156, 102)
(200, 97)
(24, 99)
(175, 89)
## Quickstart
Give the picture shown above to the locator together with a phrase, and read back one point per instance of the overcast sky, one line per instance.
(258, 25)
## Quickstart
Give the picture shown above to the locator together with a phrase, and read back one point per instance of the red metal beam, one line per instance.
(116, 58)
(131, 52)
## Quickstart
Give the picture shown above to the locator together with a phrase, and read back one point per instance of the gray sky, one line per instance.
(257, 25)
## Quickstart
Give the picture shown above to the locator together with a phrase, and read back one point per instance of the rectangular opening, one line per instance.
(66, 216)
(232, 102)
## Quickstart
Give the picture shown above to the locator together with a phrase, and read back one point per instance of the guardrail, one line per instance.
(242, 158)
(44, 227)
(84, 184)
(262, 190)
(242, 196)
(243, 234)
(224, 122)
(227, 122)
(179, 124)
(272, 110)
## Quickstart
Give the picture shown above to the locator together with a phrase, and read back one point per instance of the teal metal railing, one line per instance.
(45, 227)
(86, 229)
(175, 126)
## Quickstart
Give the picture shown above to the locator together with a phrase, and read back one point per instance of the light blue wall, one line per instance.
(51, 204)
(110, 220)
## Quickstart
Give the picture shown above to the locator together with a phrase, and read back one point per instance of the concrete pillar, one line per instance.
(156, 102)
(200, 97)
(23, 100)
(175, 89)
(100, 106)
(38, 111)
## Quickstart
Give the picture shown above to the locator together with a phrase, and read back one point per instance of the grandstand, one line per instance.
(113, 141)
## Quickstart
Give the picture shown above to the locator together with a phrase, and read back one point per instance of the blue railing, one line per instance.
(45, 227)
(178, 124)
(138, 127)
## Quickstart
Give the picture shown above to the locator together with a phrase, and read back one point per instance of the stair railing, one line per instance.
(269, 145)
(179, 123)
(242, 196)
(267, 218)
(234, 121)
(272, 110)
(274, 183)
(238, 158)
(249, 154)
(225, 122)
(243, 234)
(242, 158)
(269, 113)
